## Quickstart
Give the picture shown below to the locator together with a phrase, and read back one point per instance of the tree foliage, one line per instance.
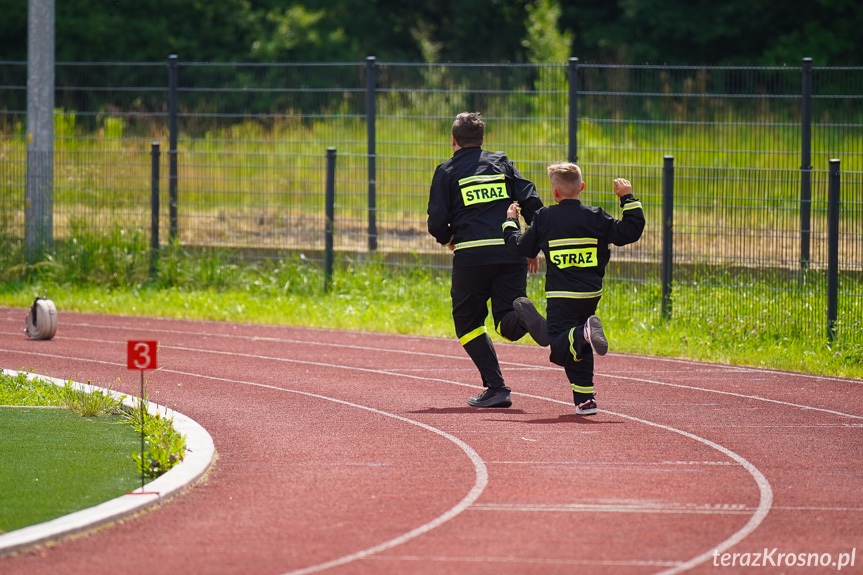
(617, 31)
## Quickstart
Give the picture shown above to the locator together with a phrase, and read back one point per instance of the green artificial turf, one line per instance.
(56, 462)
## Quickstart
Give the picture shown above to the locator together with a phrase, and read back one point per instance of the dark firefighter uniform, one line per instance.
(575, 239)
(469, 196)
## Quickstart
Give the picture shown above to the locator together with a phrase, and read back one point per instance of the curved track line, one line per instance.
(766, 492)
(756, 397)
(743, 368)
(611, 376)
(406, 336)
(764, 504)
(479, 468)
(378, 371)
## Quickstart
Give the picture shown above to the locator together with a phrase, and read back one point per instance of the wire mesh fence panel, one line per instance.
(750, 218)
(13, 153)
(837, 117)
(524, 108)
(703, 116)
(252, 146)
(850, 305)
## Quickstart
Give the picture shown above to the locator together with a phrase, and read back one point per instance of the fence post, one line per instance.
(806, 163)
(833, 203)
(330, 216)
(573, 110)
(154, 207)
(667, 234)
(173, 128)
(371, 82)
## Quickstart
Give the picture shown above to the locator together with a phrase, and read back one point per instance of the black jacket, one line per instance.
(575, 239)
(468, 199)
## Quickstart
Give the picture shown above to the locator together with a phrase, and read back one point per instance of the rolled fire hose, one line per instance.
(41, 319)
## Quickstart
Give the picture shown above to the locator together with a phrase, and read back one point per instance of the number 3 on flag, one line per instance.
(142, 355)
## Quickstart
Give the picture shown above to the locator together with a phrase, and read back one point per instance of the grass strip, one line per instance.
(417, 302)
(56, 462)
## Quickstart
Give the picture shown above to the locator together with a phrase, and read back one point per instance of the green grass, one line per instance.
(83, 450)
(415, 300)
(55, 462)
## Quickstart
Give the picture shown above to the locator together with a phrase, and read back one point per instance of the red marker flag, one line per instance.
(142, 355)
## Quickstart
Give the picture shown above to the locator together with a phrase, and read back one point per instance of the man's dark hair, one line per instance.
(468, 129)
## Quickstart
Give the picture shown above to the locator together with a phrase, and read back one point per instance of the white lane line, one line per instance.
(765, 501)
(765, 491)
(400, 374)
(692, 362)
(707, 365)
(621, 506)
(527, 560)
(480, 470)
(808, 407)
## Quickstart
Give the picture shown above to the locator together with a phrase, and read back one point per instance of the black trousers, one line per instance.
(472, 288)
(566, 319)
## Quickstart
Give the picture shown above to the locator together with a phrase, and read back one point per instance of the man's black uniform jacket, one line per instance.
(469, 196)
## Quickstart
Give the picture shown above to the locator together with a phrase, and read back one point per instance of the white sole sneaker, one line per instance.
(586, 408)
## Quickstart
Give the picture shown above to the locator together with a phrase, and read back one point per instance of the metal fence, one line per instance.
(244, 146)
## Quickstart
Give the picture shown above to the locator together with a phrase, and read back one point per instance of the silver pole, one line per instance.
(39, 192)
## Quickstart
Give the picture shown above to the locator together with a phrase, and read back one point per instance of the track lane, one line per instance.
(545, 419)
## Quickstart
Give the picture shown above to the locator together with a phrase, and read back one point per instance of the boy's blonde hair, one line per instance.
(565, 177)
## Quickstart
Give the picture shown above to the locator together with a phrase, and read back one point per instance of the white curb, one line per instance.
(200, 452)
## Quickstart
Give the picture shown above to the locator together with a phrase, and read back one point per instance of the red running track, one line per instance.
(346, 452)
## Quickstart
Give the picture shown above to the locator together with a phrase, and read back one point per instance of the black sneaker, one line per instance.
(532, 320)
(594, 335)
(586, 407)
(498, 397)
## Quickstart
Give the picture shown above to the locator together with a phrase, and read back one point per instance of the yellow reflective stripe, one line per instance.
(497, 330)
(573, 294)
(482, 179)
(572, 242)
(581, 389)
(470, 336)
(509, 224)
(479, 244)
(572, 345)
(631, 206)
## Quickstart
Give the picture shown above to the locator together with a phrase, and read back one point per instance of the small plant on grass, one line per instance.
(93, 404)
(22, 390)
(164, 446)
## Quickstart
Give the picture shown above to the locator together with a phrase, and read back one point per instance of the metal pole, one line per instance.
(806, 164)
(143, 424)
(573, 110)
(330, 216)
(371, 83)
(667, 234)
(173, 129)
(154, 207)
(39, 187)
(833, 206)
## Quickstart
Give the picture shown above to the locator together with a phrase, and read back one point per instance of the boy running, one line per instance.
(575, 239)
